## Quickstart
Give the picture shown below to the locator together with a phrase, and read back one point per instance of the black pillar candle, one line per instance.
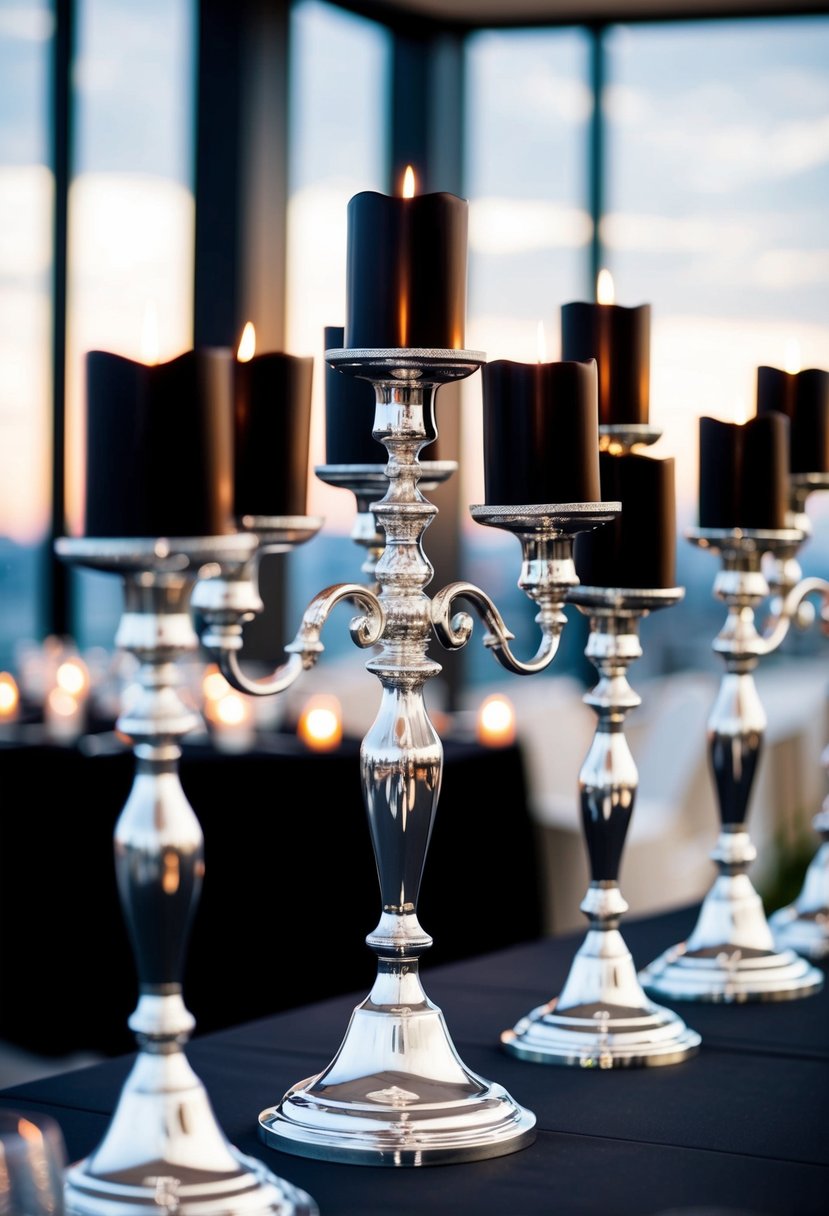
(272, 434)
(638, 547)
(349, 413)
(159, 445)
(744, 472)
(406, 266)
(541, 432)
(804, 398)
(619, 340)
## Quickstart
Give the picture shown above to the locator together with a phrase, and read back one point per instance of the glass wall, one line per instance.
(26, 201)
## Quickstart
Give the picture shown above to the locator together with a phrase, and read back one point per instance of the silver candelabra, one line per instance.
(731, 954)
(163, 1149)
(396, 1091)
(803, 925)
(602, 1017)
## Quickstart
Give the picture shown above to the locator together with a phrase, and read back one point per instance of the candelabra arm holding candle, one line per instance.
(731, 954)
(163, 1148)
(396, 1092)
(602, 1017)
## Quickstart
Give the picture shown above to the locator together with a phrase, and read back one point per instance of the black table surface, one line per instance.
(739, 1129)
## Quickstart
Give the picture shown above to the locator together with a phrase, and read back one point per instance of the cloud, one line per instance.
(25, 23)
(26, 194)
(641, 233)
(784, 269)
(506, 225)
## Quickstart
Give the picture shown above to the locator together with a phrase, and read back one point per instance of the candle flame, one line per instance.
(149, 334)
(409, 182)
(73, 677)
(740, 411)
(495, 725)
(231, 710)
(9, 695)
(247, 343)
(605, 293)
(541, 343)
(792, 361)
(320, 724)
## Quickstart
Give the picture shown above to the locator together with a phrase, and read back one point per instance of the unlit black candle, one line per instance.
(272, 434)
(159, 445)
(638, 547)
(744, 472)
(541, 432)
(406, 267)
(804, 398)
(619, 340)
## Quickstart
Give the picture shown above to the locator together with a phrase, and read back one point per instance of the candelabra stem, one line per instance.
(731, 955)
(396, 1092)
(163, 1148)
(602, 1017)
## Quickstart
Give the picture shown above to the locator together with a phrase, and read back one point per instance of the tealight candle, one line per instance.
(638, 547)
(159, 443)
(495, 721)
(349, 413)
(541, 435)
(320, 724)
(272, 428)
(619, 340)
(406, 266)
(744, 472)
(804, 398)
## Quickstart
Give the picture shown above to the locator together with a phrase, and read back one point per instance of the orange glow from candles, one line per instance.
(605, 292)
(409, 182)
(62, 703)
(320, 724)
(230, 709)
(214, 685)
(541, 343)
(149, 335)
(73, 677)
(9, 696)
(792, 362)
(247, 343)
(495, 725)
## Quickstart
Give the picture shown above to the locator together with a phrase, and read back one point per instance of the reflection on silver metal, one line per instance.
(731, 954)
(803, 925)
(368, 482)
(396, 1092)
(163, 1149)
(602, 1018)
(626, 436)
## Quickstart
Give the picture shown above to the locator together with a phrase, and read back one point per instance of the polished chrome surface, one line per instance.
(368, 482)
(626, 436)
(163, 1148)
(602, 1017)
(396, 1093)
(731, 954)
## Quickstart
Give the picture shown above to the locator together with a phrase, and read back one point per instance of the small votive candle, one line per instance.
(495, 721)
(320, 724)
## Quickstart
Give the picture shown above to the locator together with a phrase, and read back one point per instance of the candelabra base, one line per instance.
(602, 1019)
(421, 1106)
(164, 1151)
(731, 955)
(803, 926)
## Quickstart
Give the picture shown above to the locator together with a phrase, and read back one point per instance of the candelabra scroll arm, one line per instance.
(778, 626)
(306, 648)
(453, 630)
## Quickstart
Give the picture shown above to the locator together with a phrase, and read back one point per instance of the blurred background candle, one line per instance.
(406, 267)
(638, 547)
(541, 434)
(9, 699)
(272, 427)
(349, 412)
(320, 724)
(619, 340)
(159, 445)
(495, 721)
(803, 396)
(744, 472)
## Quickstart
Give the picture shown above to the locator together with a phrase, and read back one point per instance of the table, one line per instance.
(738, 1130)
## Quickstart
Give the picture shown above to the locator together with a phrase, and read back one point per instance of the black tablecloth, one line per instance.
(288, 861)
(739, 1129)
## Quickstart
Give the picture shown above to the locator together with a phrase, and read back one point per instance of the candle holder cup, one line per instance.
(396, 1092)
(602, 1018)
(803, 925)
(163, 1148)
(731, 954)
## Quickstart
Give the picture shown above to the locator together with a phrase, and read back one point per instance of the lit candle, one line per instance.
(638, 547)
(349, 413)
(9, 698)
(744, 472)
(541, 432)
(272, 428)
(406, 268)
(803, 396)
(495, 721)
(320, 724)
(159, 445)
(619, 340)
